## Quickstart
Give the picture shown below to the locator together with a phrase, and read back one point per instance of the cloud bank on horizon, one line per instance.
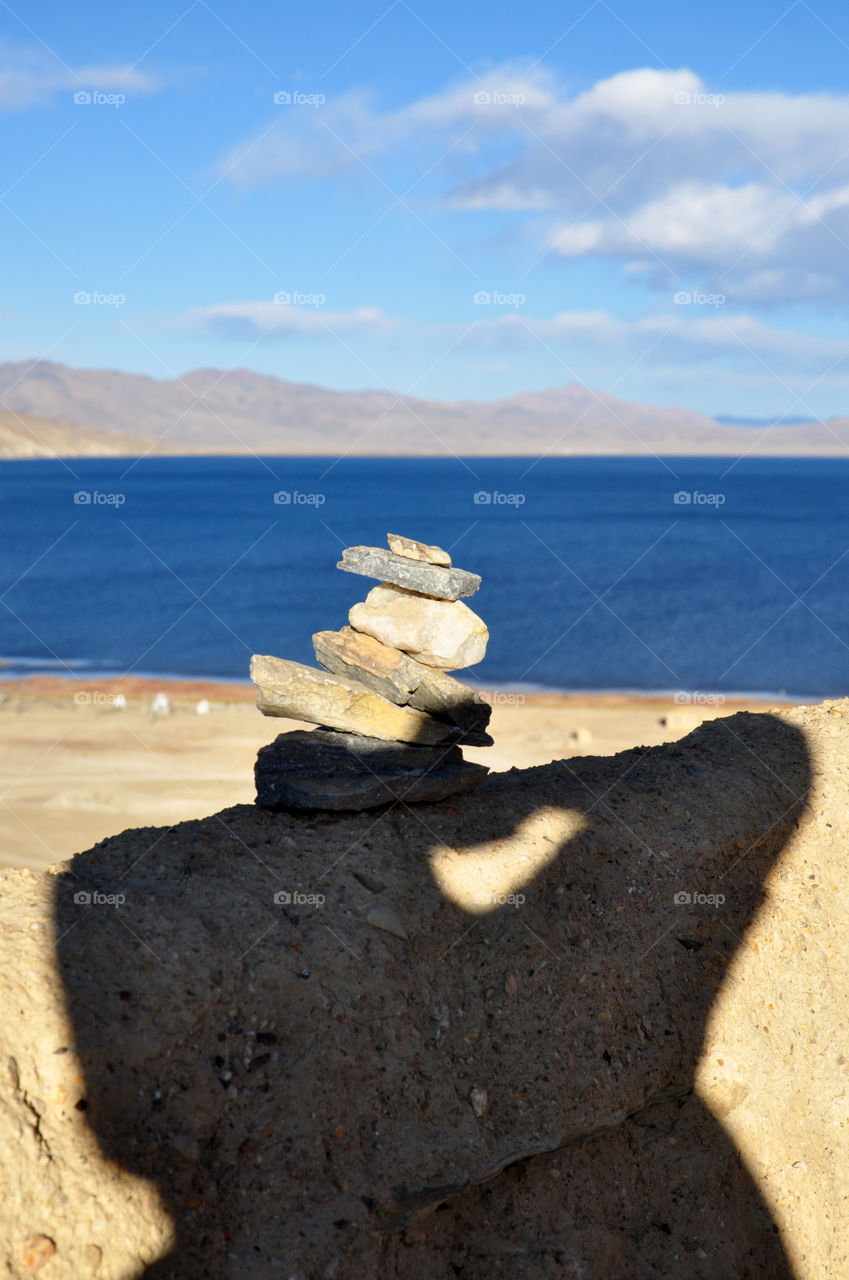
(510, 226)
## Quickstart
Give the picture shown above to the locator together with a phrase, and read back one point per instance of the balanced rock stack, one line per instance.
(391, 720)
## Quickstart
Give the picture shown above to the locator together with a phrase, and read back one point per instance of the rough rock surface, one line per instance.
(439, 633)
(322, 770)
(417, 550)
(293, 690)
(413, 575)
(398, 677)
(596, 1010)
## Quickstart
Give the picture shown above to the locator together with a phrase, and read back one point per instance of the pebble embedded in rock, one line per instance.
(38, 1251)
(479, 1100)
(388, 921)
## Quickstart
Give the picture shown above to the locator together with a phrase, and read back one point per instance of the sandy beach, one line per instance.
(74, 768)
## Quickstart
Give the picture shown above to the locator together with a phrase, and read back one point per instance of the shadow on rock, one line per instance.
(332, 1063)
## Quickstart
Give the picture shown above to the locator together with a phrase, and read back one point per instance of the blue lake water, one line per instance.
(594, 575)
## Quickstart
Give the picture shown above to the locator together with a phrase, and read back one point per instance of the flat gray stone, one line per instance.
(323, 769)
(414, 575)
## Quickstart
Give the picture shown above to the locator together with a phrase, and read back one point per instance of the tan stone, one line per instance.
(439, 633)
(305, 693)
(417, 550)
(400, 678)
(360, 657)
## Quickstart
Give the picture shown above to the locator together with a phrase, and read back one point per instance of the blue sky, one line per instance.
(449, 200)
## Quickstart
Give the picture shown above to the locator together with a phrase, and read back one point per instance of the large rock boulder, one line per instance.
(594, 1013)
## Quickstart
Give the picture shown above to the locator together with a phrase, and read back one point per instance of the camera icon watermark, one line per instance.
(498, 98)
(696, 699)
(295, 898)
(93, 497)
(498, 698)
(696, 298)
(295, 98)
(94, 898)
(684, 98)
(490, 898)
(94, 98)
(99, 699)
(494, 498)
(296, 298)
(684, 898)
(294, 498)
(694, 497)
(487, 298)
(89, 298)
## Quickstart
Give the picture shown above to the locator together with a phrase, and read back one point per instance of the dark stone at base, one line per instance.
(323, 769)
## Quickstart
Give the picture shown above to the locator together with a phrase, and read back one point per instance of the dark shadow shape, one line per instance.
(104, 973)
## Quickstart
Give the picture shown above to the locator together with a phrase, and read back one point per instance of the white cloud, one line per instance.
(694, 336)
(685, 337)
(31, 78)
(653, 168)
(759, 243)
(305, 315)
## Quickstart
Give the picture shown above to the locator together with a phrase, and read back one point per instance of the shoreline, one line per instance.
(226, 689)
(790, 453)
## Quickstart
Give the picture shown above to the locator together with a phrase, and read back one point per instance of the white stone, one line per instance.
(440, 633)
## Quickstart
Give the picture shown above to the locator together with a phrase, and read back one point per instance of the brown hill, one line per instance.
(23, 436)
(210, 411)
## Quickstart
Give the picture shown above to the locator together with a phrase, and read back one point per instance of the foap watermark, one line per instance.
(97, 698)
(94, 898)
(697, 699)
(296, 898)
(684, 898)
(498, 698)
(697, 298)
(297, 98)
(294, 498)
(684, 98)
(496, 298)
(94, 498)
(297, 298)
(490, 898)
(93, 298)
(695, 498)
(499, 98)
(493, 498)
(94, 98)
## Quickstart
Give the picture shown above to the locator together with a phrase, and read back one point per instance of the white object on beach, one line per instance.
(204, 707)
(119, 702)
(161, 705)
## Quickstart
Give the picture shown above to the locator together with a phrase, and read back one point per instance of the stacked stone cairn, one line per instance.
(390, 718)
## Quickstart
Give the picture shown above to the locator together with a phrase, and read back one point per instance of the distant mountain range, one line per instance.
(52, 409)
